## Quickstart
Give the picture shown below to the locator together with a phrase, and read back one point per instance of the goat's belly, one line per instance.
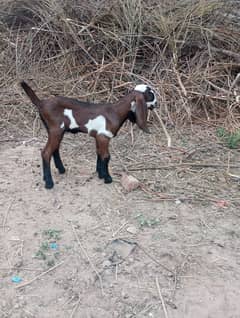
(76, 130)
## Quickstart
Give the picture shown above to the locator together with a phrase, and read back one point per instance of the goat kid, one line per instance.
(101, 121)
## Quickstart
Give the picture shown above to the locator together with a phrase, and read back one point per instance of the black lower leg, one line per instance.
(58, 162)
(47, 177)
(104, 173)
(98, 166)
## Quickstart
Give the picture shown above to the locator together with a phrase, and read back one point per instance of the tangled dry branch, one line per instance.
(187, 50)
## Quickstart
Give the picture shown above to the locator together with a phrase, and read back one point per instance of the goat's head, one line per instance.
(145, 99)
(149, 95)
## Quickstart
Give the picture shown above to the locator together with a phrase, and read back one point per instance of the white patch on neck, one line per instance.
(62, 125)
(98, 124)
(133, 107)
(141, 88)
(68, 113)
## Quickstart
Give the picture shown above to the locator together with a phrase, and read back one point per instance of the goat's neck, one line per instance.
(123, 106)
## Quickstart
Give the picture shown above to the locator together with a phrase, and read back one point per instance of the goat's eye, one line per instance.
(150, 97)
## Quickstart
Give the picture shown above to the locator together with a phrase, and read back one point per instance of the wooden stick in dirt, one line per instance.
(6, 215)
(161, 298)
(169, 140)
(228, 168)
(39, 276)
(88, 258)
(75, 308)
(153, 259)
(185, 164)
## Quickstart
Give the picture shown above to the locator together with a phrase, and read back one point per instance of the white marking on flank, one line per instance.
(68, 113)
(62, 125)
(98, 124)
(141, 88)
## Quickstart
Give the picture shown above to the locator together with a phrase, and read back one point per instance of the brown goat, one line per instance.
(101, 121)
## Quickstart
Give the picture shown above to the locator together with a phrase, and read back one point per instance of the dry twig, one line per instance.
(152, 258)
(39, 276)
(169, 141)
(88, 258)
(75, 308)
(161, 298)
(186, 164)
(7, 214)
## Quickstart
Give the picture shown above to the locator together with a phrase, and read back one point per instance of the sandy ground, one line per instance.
(117, 254)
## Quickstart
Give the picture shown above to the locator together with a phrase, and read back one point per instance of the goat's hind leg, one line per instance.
(47, 176)
(98, 166)
(58, 162)
(54, 139)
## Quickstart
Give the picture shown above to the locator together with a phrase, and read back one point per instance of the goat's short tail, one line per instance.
(30, 93)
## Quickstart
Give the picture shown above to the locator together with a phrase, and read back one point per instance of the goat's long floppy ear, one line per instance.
(141, 113)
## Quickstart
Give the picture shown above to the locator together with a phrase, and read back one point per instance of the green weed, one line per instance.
(50, 262)
(52, 234)
(145, 222)
(232, 140)
(45, 252)
(40, 255)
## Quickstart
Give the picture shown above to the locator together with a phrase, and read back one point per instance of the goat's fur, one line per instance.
(101, 121)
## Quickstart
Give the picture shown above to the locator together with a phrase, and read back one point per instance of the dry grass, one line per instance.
(187, 50)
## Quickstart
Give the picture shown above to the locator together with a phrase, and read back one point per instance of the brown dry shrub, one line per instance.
(187, 50)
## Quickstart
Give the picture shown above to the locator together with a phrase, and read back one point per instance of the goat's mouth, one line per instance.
(152, 106)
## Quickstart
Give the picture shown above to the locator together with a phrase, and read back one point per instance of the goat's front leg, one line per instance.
(103, 158)
(52, 146)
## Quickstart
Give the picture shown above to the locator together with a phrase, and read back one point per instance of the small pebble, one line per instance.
(132, 230)
(107, 264)
(172, 217)
(124, 295)
(129, 183)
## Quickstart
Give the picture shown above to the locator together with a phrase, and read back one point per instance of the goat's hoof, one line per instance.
(62, 170)
(49, 185)
(108, 179)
